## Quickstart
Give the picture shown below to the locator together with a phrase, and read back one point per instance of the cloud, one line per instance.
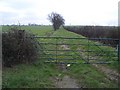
(97, 12)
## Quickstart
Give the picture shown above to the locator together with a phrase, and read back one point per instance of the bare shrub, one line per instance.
(18, 46)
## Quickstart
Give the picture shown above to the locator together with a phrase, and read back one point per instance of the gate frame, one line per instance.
(118, 45)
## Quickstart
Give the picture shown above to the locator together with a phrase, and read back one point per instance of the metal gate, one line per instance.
(79, 50)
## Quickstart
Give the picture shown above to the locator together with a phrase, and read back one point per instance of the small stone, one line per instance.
(68, 65)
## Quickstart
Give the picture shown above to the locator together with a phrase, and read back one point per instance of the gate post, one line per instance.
(88, 51)
(118, 61)
(118, 50)
(56, 48)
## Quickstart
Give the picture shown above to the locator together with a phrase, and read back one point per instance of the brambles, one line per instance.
(18, 46)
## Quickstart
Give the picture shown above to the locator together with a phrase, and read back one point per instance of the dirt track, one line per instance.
(67, 82)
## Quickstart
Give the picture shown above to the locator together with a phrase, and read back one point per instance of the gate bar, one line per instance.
(74, 38)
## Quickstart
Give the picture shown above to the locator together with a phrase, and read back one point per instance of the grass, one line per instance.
(29, 76)
(37, 74)
(37, 30)
(88, 76)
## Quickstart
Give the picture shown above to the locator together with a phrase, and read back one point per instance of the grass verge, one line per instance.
(29, 76)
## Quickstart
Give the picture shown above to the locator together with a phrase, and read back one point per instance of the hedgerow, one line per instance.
(18, 46)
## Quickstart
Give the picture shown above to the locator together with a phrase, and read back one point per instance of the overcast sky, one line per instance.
(75, 12)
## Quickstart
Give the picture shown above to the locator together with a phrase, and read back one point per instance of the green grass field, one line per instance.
(38, 74)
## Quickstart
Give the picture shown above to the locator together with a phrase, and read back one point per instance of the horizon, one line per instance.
(51, 25)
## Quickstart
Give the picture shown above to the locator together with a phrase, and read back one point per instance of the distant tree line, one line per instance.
(30, 24)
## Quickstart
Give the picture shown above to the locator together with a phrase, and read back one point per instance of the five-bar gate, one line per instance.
(79, 50)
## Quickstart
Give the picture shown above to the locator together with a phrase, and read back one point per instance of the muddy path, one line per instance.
(111, 74)
(65, 81)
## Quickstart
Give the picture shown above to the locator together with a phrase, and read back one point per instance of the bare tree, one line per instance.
(56, 19)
